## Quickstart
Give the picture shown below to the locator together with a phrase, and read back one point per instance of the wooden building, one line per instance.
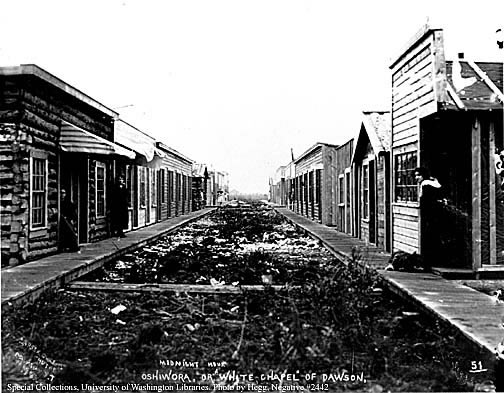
(447, 117)
(174, 183)
(315, 183)
(278, 193)
(217, 186)
(290, 174)
(344, 192)
(199, 186)
(52, 136)
(371, 163)
(141, 173)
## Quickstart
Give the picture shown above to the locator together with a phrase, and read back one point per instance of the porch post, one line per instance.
(493, 210)
(476, 194)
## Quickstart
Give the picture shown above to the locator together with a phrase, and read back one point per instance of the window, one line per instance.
(341, 190)
(405, 184)
(142, 186)
(170, 186)
(178, 180)
(184, 188)
(129, 184)
(100, 190)
(162, 178)
(348, 195)
(365, 191)
(38, 192)
(153, 188)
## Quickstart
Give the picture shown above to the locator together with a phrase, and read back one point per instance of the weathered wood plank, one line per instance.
(411, 211)
(193, 288)
(491, 185)
(407, 224)
(476, 194)
(408, 241)
(415, 99)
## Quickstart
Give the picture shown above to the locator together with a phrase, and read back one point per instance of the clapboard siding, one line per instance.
(406, 222)
(315, 199)
(405, 228)
(309, 162)
(406, 142)
(419, 98)
(179, 171)
(414, 88)
(400, 245)
(343, 155)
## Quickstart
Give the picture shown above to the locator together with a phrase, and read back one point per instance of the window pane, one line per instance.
(38, 184)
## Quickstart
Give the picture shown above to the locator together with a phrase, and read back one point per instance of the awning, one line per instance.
(134, 139)
(76, 140)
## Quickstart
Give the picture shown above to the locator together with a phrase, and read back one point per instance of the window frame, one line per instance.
(153, 188)
(142, 189)
(407, 184)
(129, 185)
(44, 209)
(162, 175)
(341, 190)
(365, 191)
(101, 165)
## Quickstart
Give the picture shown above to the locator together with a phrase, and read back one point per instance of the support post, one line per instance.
(493, 207)
(476, 194)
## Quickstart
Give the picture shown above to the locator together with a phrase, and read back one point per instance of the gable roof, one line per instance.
(474, 85)
(377, 127)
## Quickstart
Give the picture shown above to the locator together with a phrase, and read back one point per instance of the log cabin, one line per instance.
(53, 136)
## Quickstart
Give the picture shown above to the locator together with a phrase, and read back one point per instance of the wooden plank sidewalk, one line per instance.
(479, 317)
(340, 244)
(26, 282)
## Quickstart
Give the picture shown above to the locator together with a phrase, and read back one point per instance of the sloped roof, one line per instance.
(474, 85)
(171, 150)
(198, 170)
(35, 70)
(378, 124)
(132, 138)
(312, 149)
(378, 129)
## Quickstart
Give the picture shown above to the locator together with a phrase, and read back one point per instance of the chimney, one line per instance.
(461, 55)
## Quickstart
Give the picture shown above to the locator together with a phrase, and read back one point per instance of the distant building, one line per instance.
(315, 183)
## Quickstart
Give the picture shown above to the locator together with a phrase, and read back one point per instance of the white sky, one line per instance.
(237, 83)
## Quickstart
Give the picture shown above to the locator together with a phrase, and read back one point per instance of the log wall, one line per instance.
(31, 111)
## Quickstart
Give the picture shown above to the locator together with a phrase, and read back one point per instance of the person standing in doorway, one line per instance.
(120, 208)
(68, 224)
(429, 194)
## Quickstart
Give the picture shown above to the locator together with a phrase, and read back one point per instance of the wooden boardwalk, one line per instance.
(340, 244)
(24, 283)
(479, 317)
